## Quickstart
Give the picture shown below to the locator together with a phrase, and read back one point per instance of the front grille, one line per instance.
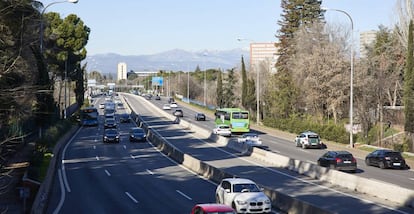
(256, 203)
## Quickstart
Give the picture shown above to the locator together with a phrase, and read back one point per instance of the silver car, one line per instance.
(251, 139)
(223, 130)
(243, 195)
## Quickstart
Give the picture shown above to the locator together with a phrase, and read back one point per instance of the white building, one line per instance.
(122, 71)
(263, 53)
(366, 38)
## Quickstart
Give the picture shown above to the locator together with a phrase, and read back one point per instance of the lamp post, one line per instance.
(205, 80)
(41, 38)
(257, 81)
(41, 19)
(351, 95)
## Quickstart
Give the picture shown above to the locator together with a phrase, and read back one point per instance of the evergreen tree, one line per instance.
(295, 14)
(250, 98)
(409, 87)
(244, 83)
(219, 91)
(229, 96)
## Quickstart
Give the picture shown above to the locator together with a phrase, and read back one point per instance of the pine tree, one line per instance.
(244, 83)
(295, 14)
(409, 87)
(229, 96)
(219, 91)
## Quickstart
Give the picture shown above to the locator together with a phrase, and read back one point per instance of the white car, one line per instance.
(166, 107)
(243, 195)
(223, 130)
(251, 139)
(173, 105)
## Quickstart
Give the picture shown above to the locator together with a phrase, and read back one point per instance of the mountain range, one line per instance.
(172, 60)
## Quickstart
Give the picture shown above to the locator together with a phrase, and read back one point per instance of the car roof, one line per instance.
(239, 180)
(135, 128)
(342, 152)
(215, 207)
(111, 130)
(309, 132)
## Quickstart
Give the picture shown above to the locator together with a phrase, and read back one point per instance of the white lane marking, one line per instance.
(411, 179)
(185, 196)
(133, 157)
(287, 175)
(124, 147)
(62, 194)
(94, 147)
(97, 158)
(107, 172)
(150, 172)
(131, 197)
(65, 179)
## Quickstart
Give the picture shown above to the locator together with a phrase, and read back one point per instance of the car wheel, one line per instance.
(381, 165)
(218, 199)
(367, 162)
(303, 146)
(332, 166)
(319, 163)
(233, 205)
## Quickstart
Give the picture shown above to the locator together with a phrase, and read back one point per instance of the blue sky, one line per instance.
(138, 27)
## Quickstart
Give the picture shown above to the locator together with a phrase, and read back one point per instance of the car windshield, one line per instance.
(224, 127)
(393, 154)
(245, 188)
(137, 131)
(111, 132)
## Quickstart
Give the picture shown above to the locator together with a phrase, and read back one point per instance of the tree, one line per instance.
(229, 97)
(244, 83)
(65, 41)
(295, 13)
(219, 90)
(405, 11)
(409, 87)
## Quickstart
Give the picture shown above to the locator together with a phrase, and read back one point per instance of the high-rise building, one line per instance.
(366, 38)
(122, 71)
(263, 54)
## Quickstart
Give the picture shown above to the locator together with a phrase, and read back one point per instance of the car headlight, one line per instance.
(144, 135)
(117, 137)
(267, 201)
(241, 202)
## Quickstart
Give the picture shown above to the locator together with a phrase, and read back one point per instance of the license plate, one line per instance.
(396, 164)
(347, 161)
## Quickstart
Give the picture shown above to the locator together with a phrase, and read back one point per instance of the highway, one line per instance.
(283, 146)
(124, 178)
(312, 191)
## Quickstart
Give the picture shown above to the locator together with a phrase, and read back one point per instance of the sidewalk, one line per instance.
(359, 153)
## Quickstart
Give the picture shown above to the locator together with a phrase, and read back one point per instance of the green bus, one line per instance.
(236, 118)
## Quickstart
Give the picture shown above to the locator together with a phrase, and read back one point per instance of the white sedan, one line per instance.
(223, 130)
(243, 195)
(174, 105)
(251, 139)
(166, 107)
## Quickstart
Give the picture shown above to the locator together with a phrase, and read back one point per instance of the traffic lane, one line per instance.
(188, 112)
(403, 178)
(86, 169)
(325, 196)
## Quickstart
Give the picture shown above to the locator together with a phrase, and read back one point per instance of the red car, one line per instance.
(212, 208)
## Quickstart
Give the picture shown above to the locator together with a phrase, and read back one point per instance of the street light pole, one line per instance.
(205, 81)
(351, 93)
(257, 82)
(41, 19)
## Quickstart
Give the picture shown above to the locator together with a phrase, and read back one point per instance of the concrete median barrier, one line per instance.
(387, 191)
(280, 200)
